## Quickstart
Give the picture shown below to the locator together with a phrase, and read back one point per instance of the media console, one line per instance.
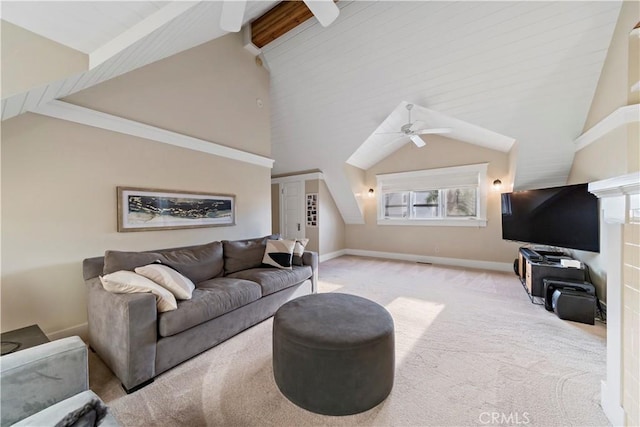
(534, 266)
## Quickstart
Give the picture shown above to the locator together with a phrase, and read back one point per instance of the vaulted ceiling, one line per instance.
(517, 71)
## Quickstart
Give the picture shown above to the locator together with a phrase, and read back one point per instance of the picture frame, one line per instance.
(312, 209)
(146, 209)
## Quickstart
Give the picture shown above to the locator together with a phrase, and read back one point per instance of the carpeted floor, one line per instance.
(470, 350)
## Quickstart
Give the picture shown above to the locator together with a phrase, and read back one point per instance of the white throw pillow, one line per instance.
(279, 253)
(128, 282)
(180, 286)
(298, 250)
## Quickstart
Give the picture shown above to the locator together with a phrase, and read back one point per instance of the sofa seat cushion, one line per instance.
(209, 300)
(272, 280)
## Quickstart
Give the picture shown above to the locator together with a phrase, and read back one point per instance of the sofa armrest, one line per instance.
(64, 413)
(311, 258)
(38, 377)
(123, 331)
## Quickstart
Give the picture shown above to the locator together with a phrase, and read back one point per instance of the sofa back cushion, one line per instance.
(198, 263)
(121, 260)
(244, 254)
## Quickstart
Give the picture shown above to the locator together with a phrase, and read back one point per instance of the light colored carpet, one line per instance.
(470, 350)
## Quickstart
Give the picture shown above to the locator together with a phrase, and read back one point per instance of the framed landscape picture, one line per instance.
(141, 209)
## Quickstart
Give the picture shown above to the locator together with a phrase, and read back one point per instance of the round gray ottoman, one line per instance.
(333, 354)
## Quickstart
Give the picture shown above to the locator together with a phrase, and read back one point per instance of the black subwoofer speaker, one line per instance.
(573, 305)
(553, 284)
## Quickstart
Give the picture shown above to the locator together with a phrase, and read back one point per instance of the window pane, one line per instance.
(422, 212)
(396, 212)
(426, 204)
(395, 199)
(396, 205)
(461, 202)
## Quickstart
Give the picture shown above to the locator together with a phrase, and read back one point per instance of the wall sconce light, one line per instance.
(497, 184)
(371, 193)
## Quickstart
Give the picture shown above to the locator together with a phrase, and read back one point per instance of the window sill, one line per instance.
(435, 222)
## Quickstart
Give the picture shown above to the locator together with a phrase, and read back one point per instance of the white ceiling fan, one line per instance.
(232, 15)
(414, 129)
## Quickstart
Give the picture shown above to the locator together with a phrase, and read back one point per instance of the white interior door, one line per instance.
(291, 207)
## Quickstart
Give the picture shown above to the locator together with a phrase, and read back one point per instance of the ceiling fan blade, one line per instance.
(389, 133)
(417, 125)
(434, 130)
(232, 15)
(395, 141)
(325, 11)
(417, 140)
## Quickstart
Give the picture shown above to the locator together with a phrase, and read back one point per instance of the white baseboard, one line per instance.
(457, 262)
(331, 255)
(611, 409)
(82, 330)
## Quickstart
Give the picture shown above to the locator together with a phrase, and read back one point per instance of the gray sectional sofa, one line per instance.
(233, 292)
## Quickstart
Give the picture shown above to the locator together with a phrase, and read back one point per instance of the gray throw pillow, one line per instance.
(89, 415)
(298, 251)
(121, 260)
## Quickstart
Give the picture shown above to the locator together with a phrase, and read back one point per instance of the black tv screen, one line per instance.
(566, 217)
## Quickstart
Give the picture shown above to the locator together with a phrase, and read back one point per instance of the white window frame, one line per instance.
(436, 179)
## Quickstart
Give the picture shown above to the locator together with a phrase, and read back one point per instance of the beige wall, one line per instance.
(30, 60)
(331, 225)
(473, 243)
(59, 206)
(616, 153)
(604, 158)
(59, 178)
(633, 146)
(612, 90)
(206, 92)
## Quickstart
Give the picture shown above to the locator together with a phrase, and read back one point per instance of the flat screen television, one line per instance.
(566, 217)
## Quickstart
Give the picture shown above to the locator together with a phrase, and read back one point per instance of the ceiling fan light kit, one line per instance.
(418, 141)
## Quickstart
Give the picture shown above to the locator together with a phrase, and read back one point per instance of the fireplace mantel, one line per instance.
(620, 201)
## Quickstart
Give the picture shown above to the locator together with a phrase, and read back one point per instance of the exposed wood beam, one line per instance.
(280, 19)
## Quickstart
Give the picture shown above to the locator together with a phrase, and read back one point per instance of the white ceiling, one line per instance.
(87, 25)
(526, 70)
(523, 70)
